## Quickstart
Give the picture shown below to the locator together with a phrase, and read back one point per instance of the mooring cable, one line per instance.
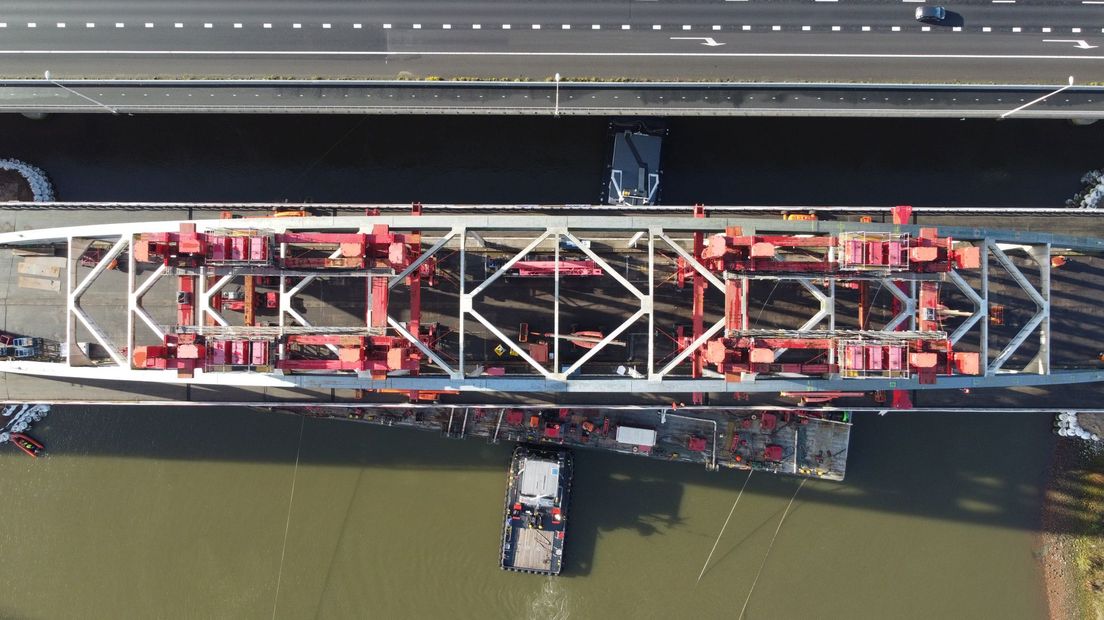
(732, 510)
(769, 547)
(287, 525)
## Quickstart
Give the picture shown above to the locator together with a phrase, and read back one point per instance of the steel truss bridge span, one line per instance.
(669, 304)
(552, 209)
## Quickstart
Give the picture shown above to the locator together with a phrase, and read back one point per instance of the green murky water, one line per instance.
(183, 514)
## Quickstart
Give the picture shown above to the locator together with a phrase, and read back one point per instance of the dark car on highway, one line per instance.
(931, 14)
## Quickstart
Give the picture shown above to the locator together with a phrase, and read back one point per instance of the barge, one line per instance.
(537, 495)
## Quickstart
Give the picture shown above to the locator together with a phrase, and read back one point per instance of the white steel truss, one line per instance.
(469, 235)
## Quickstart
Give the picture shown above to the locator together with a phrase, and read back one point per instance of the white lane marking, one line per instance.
(1004, 1)
(296, 26)
(266, 25)
(208, 25)
(836, 29)
(352, 53)
(707, 41)
(825, 0)
(237, 25)
(1092, 1)
(920, 1)
(120, 25)
(61, 24)
(178, 25)
(1080, 43)
(805, 29)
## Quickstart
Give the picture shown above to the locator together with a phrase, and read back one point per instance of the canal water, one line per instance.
(204, 514)
(241, 514)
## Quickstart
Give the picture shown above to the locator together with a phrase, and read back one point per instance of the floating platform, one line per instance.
(792, 442)
(538, 493)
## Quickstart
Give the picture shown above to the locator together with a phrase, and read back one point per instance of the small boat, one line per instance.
(27, 444)
(536, 511)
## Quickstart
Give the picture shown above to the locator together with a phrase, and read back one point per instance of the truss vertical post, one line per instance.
(697, 313)
(1041, 361)
(556, 305)
(983, 342)
(70, 322)
(464, 302)
(651, 295)
(132, 301)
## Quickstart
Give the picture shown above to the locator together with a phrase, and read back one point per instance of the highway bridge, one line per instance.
(984, 41)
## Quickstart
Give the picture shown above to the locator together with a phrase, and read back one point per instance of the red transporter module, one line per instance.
(254, 254)
(853, 260)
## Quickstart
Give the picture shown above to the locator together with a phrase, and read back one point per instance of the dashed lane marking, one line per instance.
(361, 53)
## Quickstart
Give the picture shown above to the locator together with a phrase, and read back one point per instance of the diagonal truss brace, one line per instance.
(454, 373)
(1041, 304)
(980, 309)
(908, 304)
(77, 290)
(827, 310)
(707, 334)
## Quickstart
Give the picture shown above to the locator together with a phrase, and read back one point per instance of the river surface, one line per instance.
(184, 513)
(147, 513)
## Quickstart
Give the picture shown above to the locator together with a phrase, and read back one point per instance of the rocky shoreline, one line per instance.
(20, 181)
(1071, 538)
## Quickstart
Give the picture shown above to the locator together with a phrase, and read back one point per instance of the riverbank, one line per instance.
(1071, 542)
(14, 187)
(24, 182)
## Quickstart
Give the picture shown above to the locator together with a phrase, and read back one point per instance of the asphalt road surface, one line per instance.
(994, 41)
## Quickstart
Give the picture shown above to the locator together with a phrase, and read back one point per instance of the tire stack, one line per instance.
(1066, 426)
